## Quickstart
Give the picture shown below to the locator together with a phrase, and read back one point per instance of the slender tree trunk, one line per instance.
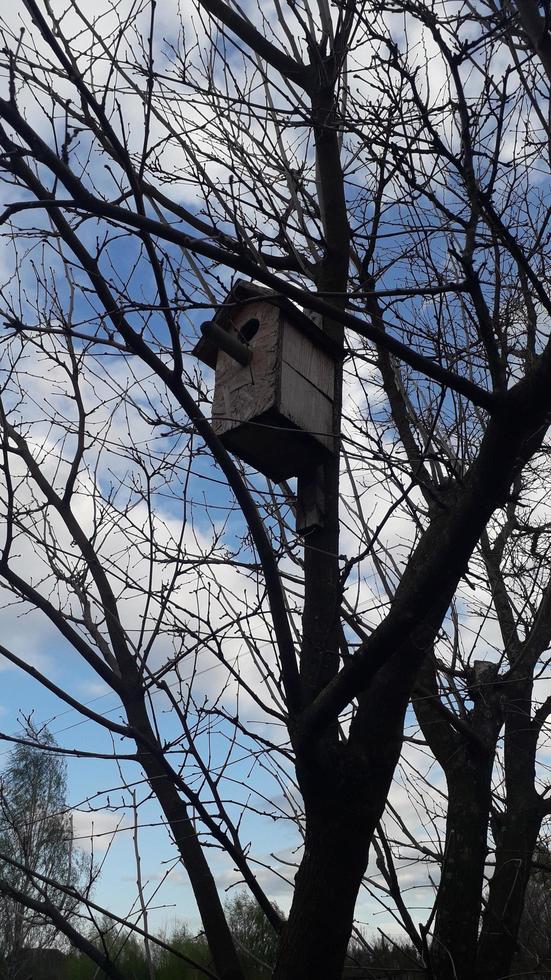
(516, 841)
(316, 936)
(467, 760)
(498, 939)
(319, 660)
(458, 903)
(219, 937)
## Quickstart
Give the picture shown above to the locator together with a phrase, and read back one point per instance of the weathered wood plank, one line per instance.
(243, 392)
(308, 360)
(304, 405)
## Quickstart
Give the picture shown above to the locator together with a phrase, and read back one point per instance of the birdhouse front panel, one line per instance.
(243, 393)
(276, 411)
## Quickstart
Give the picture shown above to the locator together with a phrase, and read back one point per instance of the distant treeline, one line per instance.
(374, 960)
(378, 961)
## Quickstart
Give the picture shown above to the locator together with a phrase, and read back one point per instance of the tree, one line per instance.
(256, 939)
(533, 945)
(36, 838)
(385, 167)
(124, 950)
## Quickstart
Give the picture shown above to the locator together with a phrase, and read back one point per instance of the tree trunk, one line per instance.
(219, 937)
(453, 951)
(345, 787)
(315, 938)
(467, 759)
(498, 939)
(516, 840)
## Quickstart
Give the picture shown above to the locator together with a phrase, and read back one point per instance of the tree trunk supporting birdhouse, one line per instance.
(310, 511)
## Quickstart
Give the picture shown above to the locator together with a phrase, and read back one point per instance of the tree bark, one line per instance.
(315, 939)
(516, 839)
(498, 939)
(466, 756)
(219, 937)
(453, 951)
(345, 787)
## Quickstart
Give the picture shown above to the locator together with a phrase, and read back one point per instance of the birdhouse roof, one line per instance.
(243, 292)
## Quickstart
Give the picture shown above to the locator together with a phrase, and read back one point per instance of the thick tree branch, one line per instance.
(287, 67)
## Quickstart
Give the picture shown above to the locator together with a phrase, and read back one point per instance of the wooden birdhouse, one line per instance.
(274, 382)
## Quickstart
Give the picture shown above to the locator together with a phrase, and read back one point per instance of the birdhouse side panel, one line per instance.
(307, 407)
(307, 386)
(308, 360)
(242, 393)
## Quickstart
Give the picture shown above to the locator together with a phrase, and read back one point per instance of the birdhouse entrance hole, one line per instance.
(249, 330)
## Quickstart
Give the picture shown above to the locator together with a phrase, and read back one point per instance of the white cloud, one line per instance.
(96, 830)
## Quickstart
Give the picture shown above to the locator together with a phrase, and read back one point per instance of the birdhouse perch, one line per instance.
(274, 385)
